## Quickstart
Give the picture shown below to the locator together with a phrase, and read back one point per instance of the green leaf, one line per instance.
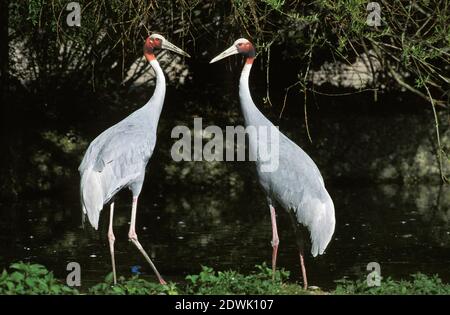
(18, 266)
(118, 290)
(30, 282)
(10, 285)
(109, 278)
(17, 276)
(43, 285)
(37, 269)
(192, 278)
(4, 276)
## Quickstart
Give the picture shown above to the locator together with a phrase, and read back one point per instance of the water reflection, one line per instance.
(405, 229)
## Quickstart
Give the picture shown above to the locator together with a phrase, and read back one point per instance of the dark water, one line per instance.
(404, 229)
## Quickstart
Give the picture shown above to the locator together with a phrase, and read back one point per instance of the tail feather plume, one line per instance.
(322, 228)
(92, 196)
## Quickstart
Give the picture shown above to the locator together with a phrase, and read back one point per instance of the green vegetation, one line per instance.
(28, 278)
(31, 279)
(209, 281)
(420, 284)
(132, 286)
(411, 43)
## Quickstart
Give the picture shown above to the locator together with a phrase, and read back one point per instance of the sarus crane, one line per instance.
(118, 156)
(296, 184)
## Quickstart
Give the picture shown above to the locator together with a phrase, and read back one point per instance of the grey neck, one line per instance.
(251, 113)
(156, 102)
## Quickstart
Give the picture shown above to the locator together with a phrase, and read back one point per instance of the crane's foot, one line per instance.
(133, 238)
(161, 281)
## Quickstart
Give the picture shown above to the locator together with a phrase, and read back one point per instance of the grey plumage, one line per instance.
(116, 159)
(295, 182)
(118, 156)
(297, 186)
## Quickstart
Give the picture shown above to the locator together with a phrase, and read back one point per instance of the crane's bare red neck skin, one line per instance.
(248, 51)
(149, 47)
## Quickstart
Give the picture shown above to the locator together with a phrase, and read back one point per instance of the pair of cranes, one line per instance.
(117, 158)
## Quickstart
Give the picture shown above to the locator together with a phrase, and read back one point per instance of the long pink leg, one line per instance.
(302, 264)
(133, 237)
(300, 245)
(275, 240)
(111, 240)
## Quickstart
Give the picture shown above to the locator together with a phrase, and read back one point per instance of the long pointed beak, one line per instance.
(168, 45)
(230, 51)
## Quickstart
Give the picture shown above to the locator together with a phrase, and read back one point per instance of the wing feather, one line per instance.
(115, 159)
(298, 186)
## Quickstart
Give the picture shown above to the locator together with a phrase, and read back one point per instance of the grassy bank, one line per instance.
(24, 278)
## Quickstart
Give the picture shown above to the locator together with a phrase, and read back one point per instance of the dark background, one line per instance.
(376, 146)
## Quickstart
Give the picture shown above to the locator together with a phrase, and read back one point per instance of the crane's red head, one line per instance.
(245, 48)
(152, 42)
(241, 46)
(156, 41)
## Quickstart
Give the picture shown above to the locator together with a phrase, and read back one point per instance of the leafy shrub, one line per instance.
(132, 286)
(420, 284)
(208, 281)
(28, 278)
